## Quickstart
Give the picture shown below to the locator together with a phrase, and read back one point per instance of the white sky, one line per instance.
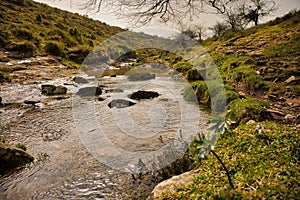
(154, 28)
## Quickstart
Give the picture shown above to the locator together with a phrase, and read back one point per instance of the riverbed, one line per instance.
(78, 158)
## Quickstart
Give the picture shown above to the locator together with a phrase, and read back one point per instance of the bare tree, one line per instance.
(144, 11)
(219, 29)
(258, 9)
(196, 32)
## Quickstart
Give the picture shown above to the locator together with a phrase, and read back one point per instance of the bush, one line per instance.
(23, 34)
(54, 48)
(25, 48)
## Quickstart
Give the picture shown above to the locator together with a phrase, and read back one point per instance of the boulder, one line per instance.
(53, 90)
(140, 76)
(172, 183)
(89, 91)
(12, 157)
(120, 103)
(143, 95)
(80, 80)
(0, 101)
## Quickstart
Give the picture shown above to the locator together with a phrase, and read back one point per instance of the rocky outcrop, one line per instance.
(143, 95)
(12, 157)
(89, 91)
(53, 90)
(120, 103)
(140, 76)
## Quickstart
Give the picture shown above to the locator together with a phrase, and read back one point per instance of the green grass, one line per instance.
(30, 27)
(262, 166)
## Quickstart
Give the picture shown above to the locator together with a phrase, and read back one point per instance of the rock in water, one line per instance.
(141, 76)
(12, 157)
(143, 95)
(53, 90)
(120, 103)
(80, 80)
(89, 91)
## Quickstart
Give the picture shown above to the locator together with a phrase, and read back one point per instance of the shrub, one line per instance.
(23, 34)
(54, 48)
(25, 48)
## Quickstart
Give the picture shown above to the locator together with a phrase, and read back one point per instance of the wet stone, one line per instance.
(141, 76)
(120, 103)
(53, 90)
(89, 91)
(80, 80)
(143, 95)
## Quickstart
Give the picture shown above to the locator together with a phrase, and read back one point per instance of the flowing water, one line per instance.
(76, 158)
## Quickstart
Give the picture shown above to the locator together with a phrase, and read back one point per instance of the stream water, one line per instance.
(83, 155)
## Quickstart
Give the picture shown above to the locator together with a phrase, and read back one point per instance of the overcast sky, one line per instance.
(284, 6)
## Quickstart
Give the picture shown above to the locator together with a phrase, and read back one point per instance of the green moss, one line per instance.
(262, 166)
(182, 67)
(243, 110)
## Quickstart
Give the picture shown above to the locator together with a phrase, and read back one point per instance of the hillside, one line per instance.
(261, 62)
(29, 29)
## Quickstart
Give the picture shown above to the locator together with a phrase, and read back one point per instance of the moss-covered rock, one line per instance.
(243, 110)
(12, 157)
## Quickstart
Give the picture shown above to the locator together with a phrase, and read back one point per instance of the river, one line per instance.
(74, 159)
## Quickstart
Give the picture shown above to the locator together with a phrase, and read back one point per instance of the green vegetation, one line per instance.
(262, 157)
(262, 166)
(243, 110)
(29, 29)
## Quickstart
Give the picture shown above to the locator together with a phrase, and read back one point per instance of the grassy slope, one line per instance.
(263, 165)
(29, 28)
